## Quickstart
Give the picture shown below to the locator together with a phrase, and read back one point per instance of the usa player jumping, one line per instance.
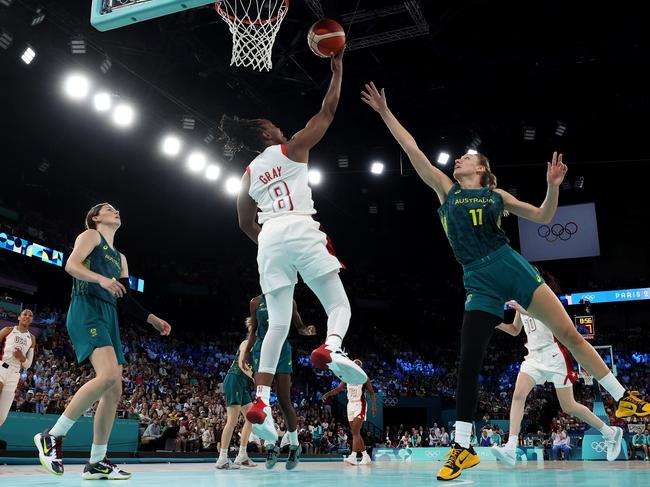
(289, 242)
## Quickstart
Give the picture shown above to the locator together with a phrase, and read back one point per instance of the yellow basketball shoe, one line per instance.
(459, 459)
(632, 405)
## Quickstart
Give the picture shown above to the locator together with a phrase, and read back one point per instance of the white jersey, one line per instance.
(539, 336)
(355, 392)
(279, 185)
(16, 340)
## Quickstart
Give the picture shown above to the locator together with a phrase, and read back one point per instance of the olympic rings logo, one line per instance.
(557, 231)
(390, 401)
(599, 447)
(589, 297)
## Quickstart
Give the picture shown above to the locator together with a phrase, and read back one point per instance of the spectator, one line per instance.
(640, 442)
(485, 439)
(560, 443)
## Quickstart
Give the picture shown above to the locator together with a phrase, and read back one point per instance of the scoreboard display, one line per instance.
(585, 325)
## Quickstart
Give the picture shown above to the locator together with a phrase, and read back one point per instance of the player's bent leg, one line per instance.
(546, 307)
(613, 436)
(232, 417)
(508, 452)
(280, 307)
(329, 290)
(242, 458)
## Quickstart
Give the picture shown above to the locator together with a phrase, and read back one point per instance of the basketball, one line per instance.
(326, 37)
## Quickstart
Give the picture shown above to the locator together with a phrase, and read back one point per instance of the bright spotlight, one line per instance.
(233, 185)
(377, 168)
(212, 172)
(196, 161)
(123, 115)
(102, 102)
(443, 158)
(171, 145)
(76, 86)
(315, 177)
(28, 55)
(472, 151)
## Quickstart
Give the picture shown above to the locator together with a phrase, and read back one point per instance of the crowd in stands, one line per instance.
(173, 387)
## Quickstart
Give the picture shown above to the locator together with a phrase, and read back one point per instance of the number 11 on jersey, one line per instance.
(477, 216)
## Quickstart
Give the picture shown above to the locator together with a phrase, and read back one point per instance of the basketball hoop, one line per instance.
(253, 25)
(588, 378)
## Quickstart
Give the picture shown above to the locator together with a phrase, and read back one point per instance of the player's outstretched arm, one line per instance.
(373, 397)
(302, 142)
(431, 175)
(555, 173)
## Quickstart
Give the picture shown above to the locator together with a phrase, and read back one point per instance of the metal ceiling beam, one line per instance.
(412, 7)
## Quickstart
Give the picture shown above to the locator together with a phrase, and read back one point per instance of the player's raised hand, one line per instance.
(556, 170)
(373, 97)
(337, 61)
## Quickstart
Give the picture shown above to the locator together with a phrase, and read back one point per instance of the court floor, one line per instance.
(591, 474)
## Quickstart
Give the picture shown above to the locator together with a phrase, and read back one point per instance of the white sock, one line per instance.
(223, 454)
(512, 440)
(264, 393)
(242, 451)
(613, 386)
(293, 438)
(334, 341)
(364, 454)
(98, 453)
(607, 431)
(62, 426)
(463, 433)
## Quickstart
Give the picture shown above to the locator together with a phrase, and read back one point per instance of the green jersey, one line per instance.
(234, 367)
(105, 261)
(472, 221)
(262, 316)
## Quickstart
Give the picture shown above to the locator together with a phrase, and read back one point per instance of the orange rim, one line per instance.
(223, 13)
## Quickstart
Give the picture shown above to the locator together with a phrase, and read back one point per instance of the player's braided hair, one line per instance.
(241, 133)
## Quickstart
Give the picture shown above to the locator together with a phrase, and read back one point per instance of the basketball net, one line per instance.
(253, 25)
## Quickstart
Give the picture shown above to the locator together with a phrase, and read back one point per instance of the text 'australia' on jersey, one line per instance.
(471, 219)
(279, 185)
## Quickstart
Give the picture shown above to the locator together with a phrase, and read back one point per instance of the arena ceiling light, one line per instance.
(443, 158)
(212, 172)
(377, 168)
(315, 177)
(171, 145)
(6, 38)
(123, 115)
(76, 86)
(28, 55)
(102, 102)
(472, 151)
(196, 161)
(233, 185)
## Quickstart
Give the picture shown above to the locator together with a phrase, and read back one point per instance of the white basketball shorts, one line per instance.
(292, 244)
(548, 365)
